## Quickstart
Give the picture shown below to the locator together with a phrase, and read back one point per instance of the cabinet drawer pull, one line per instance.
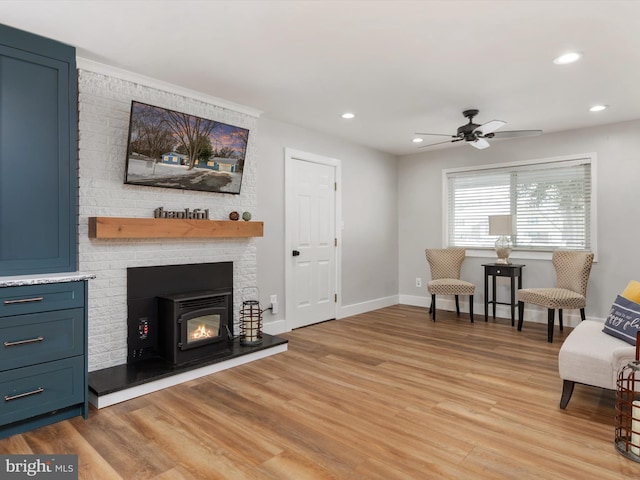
(24, 300)
(8, 398)
(23, 342)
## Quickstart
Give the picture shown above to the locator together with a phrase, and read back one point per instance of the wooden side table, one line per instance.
(501, 270)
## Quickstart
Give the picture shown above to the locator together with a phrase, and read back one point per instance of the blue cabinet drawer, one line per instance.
(30, 391)
(41, 337)
(41, 298)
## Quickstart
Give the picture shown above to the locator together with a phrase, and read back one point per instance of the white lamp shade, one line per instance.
(500, 225)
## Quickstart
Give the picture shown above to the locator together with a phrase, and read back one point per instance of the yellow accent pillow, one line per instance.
(632, 292)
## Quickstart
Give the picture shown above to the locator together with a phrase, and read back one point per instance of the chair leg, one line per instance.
(520, 315)
(457, 305)
(433, 307)
(582, 316)
(471, 307)
(550, 321)
(560, 318)
(567, 390)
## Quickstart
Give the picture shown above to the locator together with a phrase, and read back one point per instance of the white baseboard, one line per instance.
(368, 306)
(275, 327)
(415, 301)
(570, 318)
(278, 327)
(443, 303)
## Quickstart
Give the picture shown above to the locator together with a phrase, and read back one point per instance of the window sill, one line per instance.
(515, 255)
(518, 255)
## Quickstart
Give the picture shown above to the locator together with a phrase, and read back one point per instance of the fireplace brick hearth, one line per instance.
(124, 382)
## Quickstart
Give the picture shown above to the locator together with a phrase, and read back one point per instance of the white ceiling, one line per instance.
(401, 66)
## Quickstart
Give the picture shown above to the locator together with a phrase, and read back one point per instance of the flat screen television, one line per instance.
(176, 150)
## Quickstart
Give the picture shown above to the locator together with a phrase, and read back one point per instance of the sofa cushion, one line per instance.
(632, 291)
(623, 321)
(552, 297)
(450, 286)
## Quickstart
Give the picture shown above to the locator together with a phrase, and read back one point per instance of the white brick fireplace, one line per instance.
(104, 107)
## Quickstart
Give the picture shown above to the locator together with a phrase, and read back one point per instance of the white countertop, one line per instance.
(42, 278)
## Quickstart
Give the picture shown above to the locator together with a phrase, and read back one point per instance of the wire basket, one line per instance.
(627, 436)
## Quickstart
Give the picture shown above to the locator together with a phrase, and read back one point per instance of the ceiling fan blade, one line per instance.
(479, 143)
(456, 139)
(489, 127)
(516, 133)
(436, 134)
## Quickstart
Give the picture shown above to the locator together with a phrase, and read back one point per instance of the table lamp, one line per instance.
(502, 225)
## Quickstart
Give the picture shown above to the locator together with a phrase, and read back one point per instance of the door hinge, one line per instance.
(335, 186)
(335, 242)
(335, 297)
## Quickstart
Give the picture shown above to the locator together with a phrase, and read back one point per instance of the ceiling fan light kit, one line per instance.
(476, 135)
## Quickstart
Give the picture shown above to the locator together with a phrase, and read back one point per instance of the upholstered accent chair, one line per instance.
(572, 276)
(445, 264)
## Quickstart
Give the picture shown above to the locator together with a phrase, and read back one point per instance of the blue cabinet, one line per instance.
(43, 355)
(38, 155)
(43, 327)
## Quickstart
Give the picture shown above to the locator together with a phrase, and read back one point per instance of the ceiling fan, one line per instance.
(476, 135)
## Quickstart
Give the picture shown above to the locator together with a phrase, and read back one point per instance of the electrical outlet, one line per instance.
(418, 282)
(274, 304)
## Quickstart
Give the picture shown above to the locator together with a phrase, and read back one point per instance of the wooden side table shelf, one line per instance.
(501, 270)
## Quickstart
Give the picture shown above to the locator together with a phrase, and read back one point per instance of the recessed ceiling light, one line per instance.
(567, 58)
(418, 140)
(598, 108)
(348, 115)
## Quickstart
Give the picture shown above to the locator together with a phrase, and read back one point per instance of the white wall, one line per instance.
(369, 210)
(618, 210)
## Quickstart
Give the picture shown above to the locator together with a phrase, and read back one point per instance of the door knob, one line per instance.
(295, 253)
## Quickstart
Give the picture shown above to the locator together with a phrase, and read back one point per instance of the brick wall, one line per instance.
(104, 106)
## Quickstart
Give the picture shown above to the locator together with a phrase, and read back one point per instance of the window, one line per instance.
(551, 200)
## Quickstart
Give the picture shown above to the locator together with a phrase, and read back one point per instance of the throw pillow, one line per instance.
(632, 292)
(623, 321)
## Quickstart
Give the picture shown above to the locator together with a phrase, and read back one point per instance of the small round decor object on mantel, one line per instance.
(234, 216)
(246, 216)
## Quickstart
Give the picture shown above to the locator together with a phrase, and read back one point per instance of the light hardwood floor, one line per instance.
(383, 395)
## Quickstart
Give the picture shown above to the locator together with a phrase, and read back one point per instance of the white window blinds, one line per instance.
(550, 202)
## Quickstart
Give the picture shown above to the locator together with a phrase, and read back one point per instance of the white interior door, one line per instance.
(312, 240)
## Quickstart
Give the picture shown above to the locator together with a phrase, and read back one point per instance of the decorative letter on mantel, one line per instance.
(195, 214)
(125, 227)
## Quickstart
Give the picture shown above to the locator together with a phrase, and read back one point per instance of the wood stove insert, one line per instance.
(193, 325)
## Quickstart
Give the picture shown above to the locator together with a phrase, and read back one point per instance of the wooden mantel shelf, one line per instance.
(125, 227)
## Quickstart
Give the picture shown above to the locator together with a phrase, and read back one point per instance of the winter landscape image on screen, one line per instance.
(176, 150)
